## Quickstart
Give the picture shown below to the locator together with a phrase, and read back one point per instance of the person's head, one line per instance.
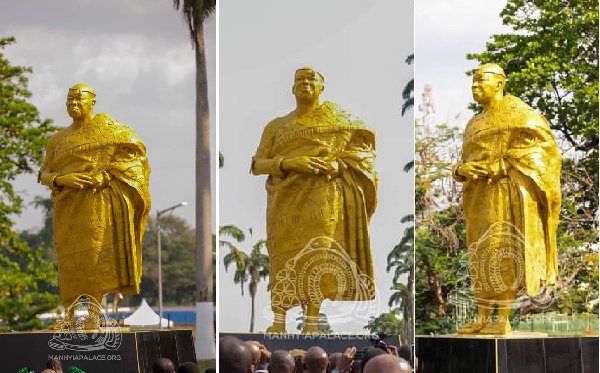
(281, 362)
(188, 368)
(333, 360)
(48, 371)
(234, 356)
(369, 353)
(387, 364)
(308, 85)
(254, 348)
(405, 352)
(80, 101)
(316, 360)
(54, 365)
(488, 85)
(163, 365)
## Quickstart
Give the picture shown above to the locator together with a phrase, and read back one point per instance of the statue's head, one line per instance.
(80, 101)
(308, 85)
(489, 81)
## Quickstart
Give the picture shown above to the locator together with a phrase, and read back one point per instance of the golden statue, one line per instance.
(510, 168)
(321, 194)
(98, 173)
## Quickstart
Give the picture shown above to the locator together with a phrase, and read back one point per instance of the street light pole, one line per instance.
(160, 301)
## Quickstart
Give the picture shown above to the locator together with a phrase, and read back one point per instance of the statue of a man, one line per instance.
(510, 168)
(98, 173)
(321, 194)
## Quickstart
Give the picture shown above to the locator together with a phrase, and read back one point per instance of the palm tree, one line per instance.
(194, 13)
(400, 297)
(235, 255)
(322, 322)
(232, 231)
(387, 323)
(258, 267)
(249, 268)
(401, 258)
(407, 92)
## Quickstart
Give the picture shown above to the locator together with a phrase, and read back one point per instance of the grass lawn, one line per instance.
(205, 364)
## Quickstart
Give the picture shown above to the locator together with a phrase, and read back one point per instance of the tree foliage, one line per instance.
(249, 268)
(322, 322)
(178, 263)
(400, 260)
(44, 237)
(439, 238)
(25, 278)
(552, 62)
(23, 133)
(387, 323)
(194, 12)
(409, 88)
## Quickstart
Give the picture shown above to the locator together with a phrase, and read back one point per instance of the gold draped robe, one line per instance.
(331, 212)
(511, 219)
(98, 233)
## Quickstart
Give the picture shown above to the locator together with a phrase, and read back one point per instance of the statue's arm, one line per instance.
(45, 176)
(262, 162)
(55, 180)
(486, 168)
(266, 163)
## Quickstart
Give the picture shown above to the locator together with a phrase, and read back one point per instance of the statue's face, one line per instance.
(79, 103)
(307, 85)
(484, 87)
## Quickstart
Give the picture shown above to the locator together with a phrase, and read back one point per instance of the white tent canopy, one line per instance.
(145, 316)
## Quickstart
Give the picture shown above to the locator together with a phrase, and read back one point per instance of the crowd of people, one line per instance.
(237, 356)
(164, 365)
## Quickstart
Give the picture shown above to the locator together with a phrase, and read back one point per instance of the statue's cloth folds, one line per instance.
(97, 233)
(511, 220)
(302, 207)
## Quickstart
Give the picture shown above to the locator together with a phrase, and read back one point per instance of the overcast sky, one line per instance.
(445, 31)
(138, 57)
(360, 47)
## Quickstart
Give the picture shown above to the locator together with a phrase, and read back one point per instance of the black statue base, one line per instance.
(329, 342)
(518, 353)
(123, 351)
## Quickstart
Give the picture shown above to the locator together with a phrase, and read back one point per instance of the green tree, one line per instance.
(194, 13)
(235, 255)
(44, 237)
(409, 88)
(551, 58)
(249, 268)
(401, 260)
(322, 322)
(25, 278)
(233, 232)
(387, 323)
(439, 237)
(178, 265)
